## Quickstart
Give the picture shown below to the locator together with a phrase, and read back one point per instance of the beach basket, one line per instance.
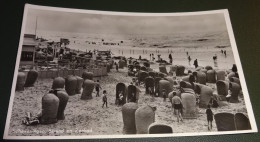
(235, 90)
(79, 84)
(201, 77)
(156, 128)
(63, 100)
(220, 75)
(180, 70)
(144, 116)
(149, 83)
(50, 105)
(242, 122)
(58, 82)
(71, 85)
(21, 77)
(165, 84)
(128, 113)
(87, 75)
(211, 76)
(225, 121)
(205, 95)
(31, 78)
(88, 87)
(189, 104)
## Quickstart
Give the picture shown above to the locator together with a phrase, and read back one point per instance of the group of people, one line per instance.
(104, 95)
(224, 52)
(178, 109)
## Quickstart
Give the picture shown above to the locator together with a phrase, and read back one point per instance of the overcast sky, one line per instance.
(110, 24)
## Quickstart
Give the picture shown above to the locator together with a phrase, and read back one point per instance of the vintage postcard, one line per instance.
(84, 74)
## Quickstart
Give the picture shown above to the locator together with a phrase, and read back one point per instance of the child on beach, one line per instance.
(97, 88)
(209, 117)
(104, 98)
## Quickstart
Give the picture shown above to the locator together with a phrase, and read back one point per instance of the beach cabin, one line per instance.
(28, 49)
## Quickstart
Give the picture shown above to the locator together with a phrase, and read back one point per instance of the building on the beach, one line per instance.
(28, 49)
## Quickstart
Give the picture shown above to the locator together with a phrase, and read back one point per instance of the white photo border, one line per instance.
(234, 49)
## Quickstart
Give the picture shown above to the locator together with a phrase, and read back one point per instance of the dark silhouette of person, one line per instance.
(195, 63)
(234, 68)
(170, 57)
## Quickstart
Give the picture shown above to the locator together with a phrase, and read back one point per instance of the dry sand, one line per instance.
(89, 116)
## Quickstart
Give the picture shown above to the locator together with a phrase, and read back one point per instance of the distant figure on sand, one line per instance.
(215, 58)
(97, 88)
(104, 98)
(189, 59)
(170, 58)
(225, 53)
(140, 57)
(177, 105)
(209, 117)
(187, 53)
(195, 63)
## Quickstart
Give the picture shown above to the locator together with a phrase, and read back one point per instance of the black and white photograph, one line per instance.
(96, 74)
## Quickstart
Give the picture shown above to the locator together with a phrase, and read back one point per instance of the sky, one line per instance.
(121, 24)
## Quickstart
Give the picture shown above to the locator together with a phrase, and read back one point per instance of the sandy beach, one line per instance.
(89, 116)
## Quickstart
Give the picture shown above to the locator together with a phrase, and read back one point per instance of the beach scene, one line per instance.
(84, 74)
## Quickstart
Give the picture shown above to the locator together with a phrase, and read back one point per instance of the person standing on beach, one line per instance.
(189, 59)
(97, 88)
(209, 117)
(170, 58)
(104, 98)
(225, 53)
(195, 63)
(177, 105)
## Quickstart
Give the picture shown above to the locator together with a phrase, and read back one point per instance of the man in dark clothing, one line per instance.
(234, 68)
(170, 58)
(209, 117)
(195, 63)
